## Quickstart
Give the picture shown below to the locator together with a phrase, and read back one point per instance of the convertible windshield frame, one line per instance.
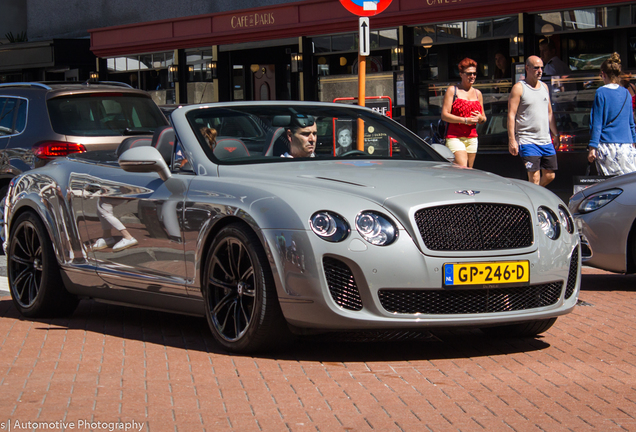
(243, 133)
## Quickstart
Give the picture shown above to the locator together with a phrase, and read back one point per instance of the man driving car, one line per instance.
(302, 135)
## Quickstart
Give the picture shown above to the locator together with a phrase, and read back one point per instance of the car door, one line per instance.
(141, 206)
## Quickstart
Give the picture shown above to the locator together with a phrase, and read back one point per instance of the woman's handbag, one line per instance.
(439, 132)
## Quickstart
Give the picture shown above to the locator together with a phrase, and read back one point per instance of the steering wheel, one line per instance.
(354, 152)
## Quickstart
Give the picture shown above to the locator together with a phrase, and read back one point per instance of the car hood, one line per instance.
(392, 184)
(626, 182)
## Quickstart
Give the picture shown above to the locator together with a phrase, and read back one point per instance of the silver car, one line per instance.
(387, 236)
(606, 216)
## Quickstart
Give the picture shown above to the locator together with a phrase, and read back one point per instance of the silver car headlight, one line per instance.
(376, 228)
(566, 219)
(549, 223)
(329, 226)
(598, 200)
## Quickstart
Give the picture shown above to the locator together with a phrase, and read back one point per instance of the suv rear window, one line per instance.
(108, 114)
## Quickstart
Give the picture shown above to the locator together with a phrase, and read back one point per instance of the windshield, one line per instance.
(274, 133)
(104, 114)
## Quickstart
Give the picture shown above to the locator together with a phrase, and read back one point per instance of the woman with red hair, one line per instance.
(463, 108)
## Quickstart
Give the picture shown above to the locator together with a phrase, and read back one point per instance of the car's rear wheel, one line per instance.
(34, 276)
(525, 329)
(240, 295)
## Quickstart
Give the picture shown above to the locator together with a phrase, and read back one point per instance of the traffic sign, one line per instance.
(364, 36)
(365, 8)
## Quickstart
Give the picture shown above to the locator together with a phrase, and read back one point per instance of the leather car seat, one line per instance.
(131, 142)
(230, 148)
(163, 140)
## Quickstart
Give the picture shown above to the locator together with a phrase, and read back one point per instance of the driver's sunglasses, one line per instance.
(537, 67)
(471, 73)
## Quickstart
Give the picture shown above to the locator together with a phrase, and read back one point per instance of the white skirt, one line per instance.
(615, 159)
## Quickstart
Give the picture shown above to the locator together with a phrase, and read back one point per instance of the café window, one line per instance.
(585, 19)
(338, 54)
(348, 42)
(132, 63)
(199, 62)
(452, 32)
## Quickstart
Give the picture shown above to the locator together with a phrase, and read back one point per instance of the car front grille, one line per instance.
(475, 227)
(470, 301)
(342, 284)
(572, 274)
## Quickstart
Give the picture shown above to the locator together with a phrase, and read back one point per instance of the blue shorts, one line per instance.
(540, 150)
(538, 156)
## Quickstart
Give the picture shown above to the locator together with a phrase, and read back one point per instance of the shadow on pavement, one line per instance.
(608, 282)
(192, 333)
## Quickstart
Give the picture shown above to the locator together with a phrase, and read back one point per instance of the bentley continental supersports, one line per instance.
(279, 219)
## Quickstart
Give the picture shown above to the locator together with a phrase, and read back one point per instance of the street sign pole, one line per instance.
(362, 73)
(364, 9)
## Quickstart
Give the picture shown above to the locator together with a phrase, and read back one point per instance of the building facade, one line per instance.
(308, 50)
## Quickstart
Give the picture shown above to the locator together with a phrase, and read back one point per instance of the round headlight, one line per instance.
(566, 219)
(329, 226)
(549, 223)
(376, 228)
(598, 200)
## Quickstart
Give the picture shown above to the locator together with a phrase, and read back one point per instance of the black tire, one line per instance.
(525, 329)
(240, 295)
(3, 194)
(34, 276)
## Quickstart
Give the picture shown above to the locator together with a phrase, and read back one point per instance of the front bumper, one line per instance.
(353, 285)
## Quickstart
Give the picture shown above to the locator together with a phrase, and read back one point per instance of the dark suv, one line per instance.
(42, 121)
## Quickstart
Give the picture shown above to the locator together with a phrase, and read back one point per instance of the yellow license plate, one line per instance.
(487, 273)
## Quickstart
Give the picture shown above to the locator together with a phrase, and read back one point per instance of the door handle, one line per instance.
(92, 187)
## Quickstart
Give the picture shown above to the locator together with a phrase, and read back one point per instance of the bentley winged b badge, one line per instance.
(467, 192)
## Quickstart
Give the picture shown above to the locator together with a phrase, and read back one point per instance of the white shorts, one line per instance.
(469, 145)
(615, 159)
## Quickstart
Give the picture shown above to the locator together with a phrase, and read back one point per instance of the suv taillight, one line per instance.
(53, 149)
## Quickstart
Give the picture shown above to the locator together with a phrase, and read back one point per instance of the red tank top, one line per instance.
(463, 108)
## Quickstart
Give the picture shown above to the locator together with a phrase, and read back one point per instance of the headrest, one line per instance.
(137, 141)
(270, 141)
(163, 140)
(230, 148)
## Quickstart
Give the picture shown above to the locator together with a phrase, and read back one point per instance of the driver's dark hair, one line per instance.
(299, 122)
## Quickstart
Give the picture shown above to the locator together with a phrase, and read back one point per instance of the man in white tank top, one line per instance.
(531, 125)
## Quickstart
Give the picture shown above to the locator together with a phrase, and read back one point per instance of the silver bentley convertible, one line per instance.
(289, 218)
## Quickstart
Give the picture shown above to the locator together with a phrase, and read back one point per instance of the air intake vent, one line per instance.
(572, 274)
(342, 285)
(475, 227)
(470, 301)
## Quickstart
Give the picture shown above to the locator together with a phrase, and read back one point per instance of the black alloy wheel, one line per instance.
(240, 295)
(34, 276)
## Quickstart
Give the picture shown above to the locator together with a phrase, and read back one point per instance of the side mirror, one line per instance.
(444, 151)
(144, 159)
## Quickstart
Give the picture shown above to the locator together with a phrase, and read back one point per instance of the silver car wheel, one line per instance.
(25, 264)
(232, 288)
(240, 294)
(37, 288)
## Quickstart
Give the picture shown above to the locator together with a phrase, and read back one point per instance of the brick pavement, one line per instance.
(114, 364)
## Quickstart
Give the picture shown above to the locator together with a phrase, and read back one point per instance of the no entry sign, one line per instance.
(365, 8)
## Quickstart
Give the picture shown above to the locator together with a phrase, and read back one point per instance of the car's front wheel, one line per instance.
(240, 296)
(525, 329)
(34, 276)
